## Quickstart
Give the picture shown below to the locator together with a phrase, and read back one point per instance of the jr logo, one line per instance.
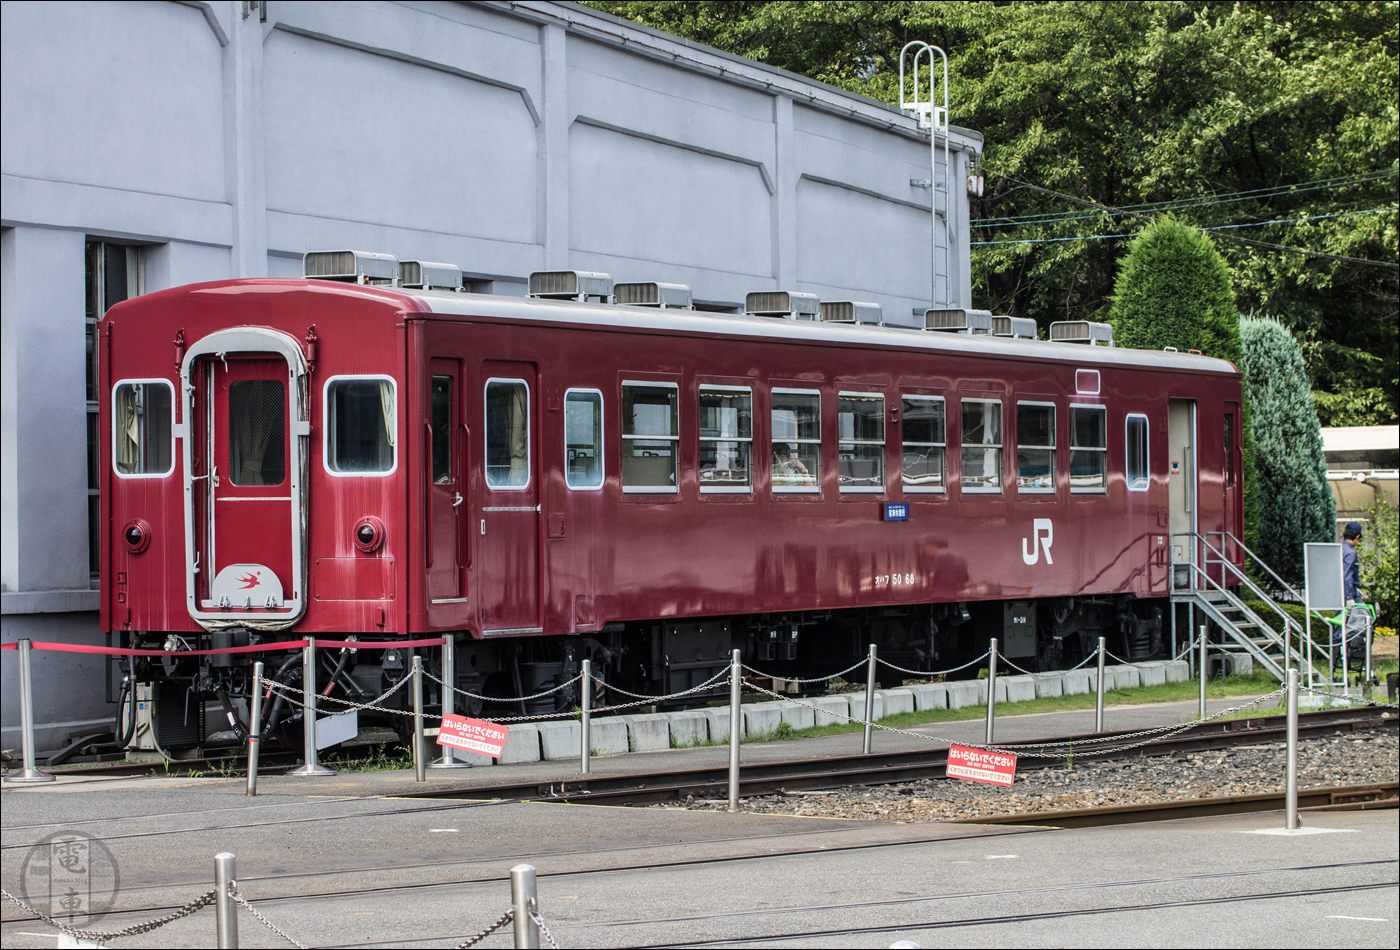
(1042, 536)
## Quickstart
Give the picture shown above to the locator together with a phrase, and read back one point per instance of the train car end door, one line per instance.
(507, 535)
(1182, 486)
(447, 511)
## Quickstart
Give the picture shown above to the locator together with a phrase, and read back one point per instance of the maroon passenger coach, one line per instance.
(548, 480)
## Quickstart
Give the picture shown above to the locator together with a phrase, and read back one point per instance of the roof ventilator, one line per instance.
(784, 304)
(355, 267)
(1081, 331)
(959, 320)
(1019, 328)
(649, 293)
(577, 285)
(852, 311)
(425, 275)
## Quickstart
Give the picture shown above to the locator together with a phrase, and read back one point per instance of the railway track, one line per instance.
(890, 768)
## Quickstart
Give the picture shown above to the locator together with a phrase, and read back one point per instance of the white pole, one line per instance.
(523, 900)
(255, 702)
(587, 704)
(736, 725)
(1098, 702)
(31, 771)
(1203, 666)
(991, 690)
(1291, 822)
(870, 700)
(225, 910)
(449, 702)
(308, 717)
(419, 765)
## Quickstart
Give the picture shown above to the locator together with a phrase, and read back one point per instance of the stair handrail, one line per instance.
(1254, 647)
(1258, 560)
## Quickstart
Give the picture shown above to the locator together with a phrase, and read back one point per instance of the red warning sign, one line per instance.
(474, 735)
(979, 765)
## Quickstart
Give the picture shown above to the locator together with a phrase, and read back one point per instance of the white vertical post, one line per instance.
(1366, 635)
(1307, 641)
(736, 725)
(1291, 791)
(308, 713)
(1098, 701)
(869, 701)
(225, 910)
(449, 700)
(255, 701)
(1204, 667)
(524, 899)
(991, 690)
(31, 771)
(419, 766)
(587, 704)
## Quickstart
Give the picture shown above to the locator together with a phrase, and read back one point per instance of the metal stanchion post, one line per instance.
(449, 697)
(1203, 666)
(1291, 792)
(308, 713)
(736, 725)
(255, 701)
(523, 900)
(991, 690)
(586, 739)
(1098, 700)
(225, 910)
(1366, 683)
(31, 772)
(420, 773)
(869, 701)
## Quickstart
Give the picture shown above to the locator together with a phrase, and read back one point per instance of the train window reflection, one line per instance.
(861, 446)
(981, 445)
(650, 437)
(142, 413)
(361, 425)
(257, 442)
(583, 439)
(507, 434)
(797, 440)
(726, 438)
(442, 430)
(1035, 447)
(1137, 468)
(1088, 448)
(924, 443)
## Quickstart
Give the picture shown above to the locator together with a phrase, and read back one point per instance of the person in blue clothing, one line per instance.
(1351, 568)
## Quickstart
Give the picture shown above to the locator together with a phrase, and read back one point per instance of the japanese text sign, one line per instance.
(979, 765)
(474, 735)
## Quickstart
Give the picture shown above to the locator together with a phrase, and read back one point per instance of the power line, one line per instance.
(1219, 227)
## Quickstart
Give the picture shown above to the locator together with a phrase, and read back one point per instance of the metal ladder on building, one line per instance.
(1250, 616)
(934, 119)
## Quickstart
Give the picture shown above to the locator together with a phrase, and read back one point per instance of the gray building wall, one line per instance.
(504, 137)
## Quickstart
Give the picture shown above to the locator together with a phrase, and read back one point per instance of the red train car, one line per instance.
(548, 480)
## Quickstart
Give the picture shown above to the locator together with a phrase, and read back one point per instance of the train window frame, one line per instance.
(940, 489)
(1052, 447)
(601, 444)
(1101, 451)
(326, 426)
(964, 446)
(675, 439)
(486, 436)
(816, 487)
(700, 438)
(1144, 482)
(143, 382)
(882, 441)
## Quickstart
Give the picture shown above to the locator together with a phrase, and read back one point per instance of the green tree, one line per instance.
(1295, 501)
(1379, 554)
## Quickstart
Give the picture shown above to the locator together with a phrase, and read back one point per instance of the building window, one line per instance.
(1136, 462)
(1035, 447)
(583, 439)
(442, 430)
(507, 434)
(797, 440)
(925, 443)
(361, 424)
(650, 437)
(861, 442)
(981, 445)
(726, 438)
(143, 412)
(114, 272)
(1088, 448)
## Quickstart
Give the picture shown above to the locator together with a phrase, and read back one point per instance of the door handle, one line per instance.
(214, 477)
(458, 500)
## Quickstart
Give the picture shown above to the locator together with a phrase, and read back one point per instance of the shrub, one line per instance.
(1379, 553)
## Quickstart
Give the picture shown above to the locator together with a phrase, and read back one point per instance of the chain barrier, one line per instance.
(476, 938)
(370, 705)
(1002, 659)
(1091, 656)
(243, 902)
(280, 687)
(539, 922)
(99, 936)
(931, 672)
(1348, 698)
(505, 699)
(814, 679)
(648, 700)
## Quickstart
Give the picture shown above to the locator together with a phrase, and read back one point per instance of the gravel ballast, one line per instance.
(1084, 783)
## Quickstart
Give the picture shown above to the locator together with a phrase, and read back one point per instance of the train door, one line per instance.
(508, 509)
(1181, 483)
(447, 560)
(1232, 492)
(250, 525)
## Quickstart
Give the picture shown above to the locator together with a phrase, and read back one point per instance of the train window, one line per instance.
(1229, 448)
(650, 437)
(924, 444)
(583, 439)
(797, 440)
(361, 425)
(1035, 447)
(861, 446)
(257, 441)
(507, 434)
(442, 430)
(1136, 451)
(1088, 448)
(726, 438)
(981, 445)
(142, 413)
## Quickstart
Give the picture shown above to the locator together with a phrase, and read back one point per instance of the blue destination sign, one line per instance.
(896, 511)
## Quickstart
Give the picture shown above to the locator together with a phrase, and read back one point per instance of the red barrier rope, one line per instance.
(256, 648)
(379, 644)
